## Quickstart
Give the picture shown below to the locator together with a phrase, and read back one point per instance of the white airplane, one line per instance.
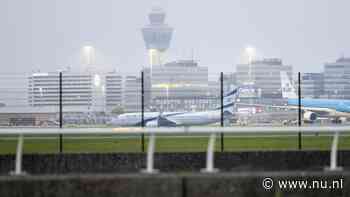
(154, 119)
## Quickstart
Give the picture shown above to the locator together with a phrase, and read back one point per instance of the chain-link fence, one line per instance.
(178, 95)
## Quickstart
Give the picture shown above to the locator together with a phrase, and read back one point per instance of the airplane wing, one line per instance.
(164, 122)
(318, 110)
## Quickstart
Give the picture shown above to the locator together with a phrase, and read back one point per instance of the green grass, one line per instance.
(171, 144)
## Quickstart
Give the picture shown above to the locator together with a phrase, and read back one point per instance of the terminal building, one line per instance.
(264, 76)
(312, 85)
(179, 78)
(43, 89)
(113, 91)
(93, 92)
(132, 94)
(336, 79)
(179, 85)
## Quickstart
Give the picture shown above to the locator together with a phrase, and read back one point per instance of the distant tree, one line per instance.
(118, 110)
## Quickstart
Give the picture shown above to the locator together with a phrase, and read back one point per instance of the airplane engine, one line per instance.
(152, 124)
(310, 116)
(340, 120)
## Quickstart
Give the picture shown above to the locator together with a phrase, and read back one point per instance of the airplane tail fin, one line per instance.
(288, 90)
(229, 100)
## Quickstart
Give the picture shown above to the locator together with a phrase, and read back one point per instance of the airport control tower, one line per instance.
(157, 36)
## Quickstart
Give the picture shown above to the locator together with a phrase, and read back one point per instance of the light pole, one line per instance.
(167, 97)
(251, 53)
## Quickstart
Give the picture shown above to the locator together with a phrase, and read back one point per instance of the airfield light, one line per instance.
(88, 55)
(251, 53)
(97, 80)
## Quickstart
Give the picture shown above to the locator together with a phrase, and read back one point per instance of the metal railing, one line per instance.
(152, 132)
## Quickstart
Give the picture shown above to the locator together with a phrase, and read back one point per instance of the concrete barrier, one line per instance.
(251, 185)
(173, 162)
(243, 184)
(90, 185)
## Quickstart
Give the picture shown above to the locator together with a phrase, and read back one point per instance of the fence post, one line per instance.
(299, 112)
(210, 155)
(19, 155)
(150, 155)
(142, 111)
(60, 111)
(222, 109)
(333, 157)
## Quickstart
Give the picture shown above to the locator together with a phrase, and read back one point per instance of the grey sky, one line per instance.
(47, 34)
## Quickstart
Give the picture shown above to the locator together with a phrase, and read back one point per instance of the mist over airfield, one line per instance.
(48, 35)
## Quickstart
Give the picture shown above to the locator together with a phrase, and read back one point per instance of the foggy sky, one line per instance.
(48, 34)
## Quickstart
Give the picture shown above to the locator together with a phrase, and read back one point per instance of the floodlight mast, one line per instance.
(251, 53)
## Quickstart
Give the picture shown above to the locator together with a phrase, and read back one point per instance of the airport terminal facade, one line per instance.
(336, 79)
(264, 75)
(95, 92)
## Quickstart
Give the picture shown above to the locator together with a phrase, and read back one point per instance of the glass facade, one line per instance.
(336, 79)
(265, 75)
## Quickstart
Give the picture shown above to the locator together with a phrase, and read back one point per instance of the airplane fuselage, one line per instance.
(196, 118)
(340, 107)
(180, 118)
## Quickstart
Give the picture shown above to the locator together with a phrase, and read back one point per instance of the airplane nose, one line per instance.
(113, 121)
